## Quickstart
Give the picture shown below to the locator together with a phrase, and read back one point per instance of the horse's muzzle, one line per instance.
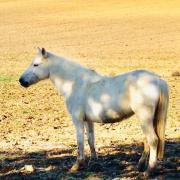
(23, 82)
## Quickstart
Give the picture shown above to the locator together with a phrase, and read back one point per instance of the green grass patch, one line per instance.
(25, 112)
(7, 79)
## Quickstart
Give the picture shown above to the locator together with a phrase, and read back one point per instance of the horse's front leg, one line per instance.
(90, 134)
(79, 125)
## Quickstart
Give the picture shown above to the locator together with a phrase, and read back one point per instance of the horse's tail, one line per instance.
(160, 117)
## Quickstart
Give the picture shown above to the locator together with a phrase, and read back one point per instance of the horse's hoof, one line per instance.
(77, 166)
(146, 174)
(74, 168)
(149, 173)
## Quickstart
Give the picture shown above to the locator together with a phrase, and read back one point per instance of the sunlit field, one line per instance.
(110, 37)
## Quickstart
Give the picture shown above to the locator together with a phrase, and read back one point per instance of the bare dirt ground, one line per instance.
(109, 36)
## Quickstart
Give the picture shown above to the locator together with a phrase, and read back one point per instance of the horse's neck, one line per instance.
(64, 74)
(66, 69)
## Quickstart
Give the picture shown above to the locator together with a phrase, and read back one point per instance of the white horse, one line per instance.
(91, 97)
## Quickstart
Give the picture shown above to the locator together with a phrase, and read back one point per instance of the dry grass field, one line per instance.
(112, 37)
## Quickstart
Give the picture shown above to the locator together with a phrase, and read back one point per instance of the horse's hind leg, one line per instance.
(144, 158)
(146, 116)
(153, 144)
(90, 134)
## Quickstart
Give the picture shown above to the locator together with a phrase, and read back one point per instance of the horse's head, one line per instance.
(38, 69)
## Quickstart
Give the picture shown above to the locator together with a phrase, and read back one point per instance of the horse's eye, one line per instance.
(36, 65)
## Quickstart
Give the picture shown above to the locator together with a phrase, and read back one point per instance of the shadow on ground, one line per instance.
(114, 162)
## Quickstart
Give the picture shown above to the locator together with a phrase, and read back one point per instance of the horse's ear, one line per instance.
(39, 49)
(44, 53)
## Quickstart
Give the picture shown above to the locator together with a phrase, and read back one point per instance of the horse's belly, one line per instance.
(107, 115)
(106, 104)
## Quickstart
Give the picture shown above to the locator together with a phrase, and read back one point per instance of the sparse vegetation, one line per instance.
(7, 79)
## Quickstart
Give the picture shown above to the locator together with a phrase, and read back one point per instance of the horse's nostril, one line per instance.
(23, 82)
